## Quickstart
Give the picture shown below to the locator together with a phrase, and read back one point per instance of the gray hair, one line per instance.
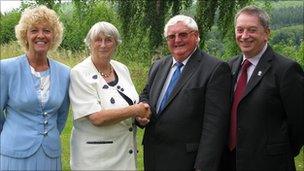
(105, 28)
(255, 11)
(181, 18)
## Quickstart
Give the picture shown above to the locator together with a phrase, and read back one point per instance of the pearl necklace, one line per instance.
(106, 75)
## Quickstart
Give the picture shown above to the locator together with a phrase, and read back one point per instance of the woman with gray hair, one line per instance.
(104, 105)
(34, 99)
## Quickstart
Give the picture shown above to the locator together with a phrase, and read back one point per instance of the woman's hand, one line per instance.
(143, 113)
(142, 110)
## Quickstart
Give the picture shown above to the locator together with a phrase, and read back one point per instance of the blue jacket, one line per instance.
(27, 125)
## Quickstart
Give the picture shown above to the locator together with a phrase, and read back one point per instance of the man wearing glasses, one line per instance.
(189, 93)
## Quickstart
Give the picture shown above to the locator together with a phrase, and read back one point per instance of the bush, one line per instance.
(286, 16)
(293, 52)
(8, 22)
(292, 35)
(78, 18)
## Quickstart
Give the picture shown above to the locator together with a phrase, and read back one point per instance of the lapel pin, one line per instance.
(260, 73)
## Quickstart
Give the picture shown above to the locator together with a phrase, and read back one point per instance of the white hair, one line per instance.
(188, 21)
(105, 28)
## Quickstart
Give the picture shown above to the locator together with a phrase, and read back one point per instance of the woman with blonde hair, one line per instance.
(34, 99)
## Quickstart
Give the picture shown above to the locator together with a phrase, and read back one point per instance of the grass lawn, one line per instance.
(65, 139)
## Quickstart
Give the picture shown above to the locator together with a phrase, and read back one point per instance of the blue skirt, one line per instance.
(38, 161)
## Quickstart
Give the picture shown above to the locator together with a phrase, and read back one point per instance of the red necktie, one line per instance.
(238, 93)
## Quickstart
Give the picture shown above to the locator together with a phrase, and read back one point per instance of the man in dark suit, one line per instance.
(189, 125)
(267, 117)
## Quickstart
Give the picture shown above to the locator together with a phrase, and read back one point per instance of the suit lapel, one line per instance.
(161, 76)
(236, 66)
(54, 82)
(260, 70)
(30, 89)
(187, 73)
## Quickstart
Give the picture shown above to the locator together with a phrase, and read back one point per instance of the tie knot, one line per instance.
(179, 64)
(246, 64)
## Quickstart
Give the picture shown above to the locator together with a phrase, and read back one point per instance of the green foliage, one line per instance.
(154, 18)
(205, 8)
(79, 17)
(293, 52)
(128, 12)
(225, 47)
(219, 13)
(280, 3)
(149, 16)
(281, 17)
(292, 35)
(134, 48)
(7, 25)
(49, 3)
(141, 24)
(283, 13)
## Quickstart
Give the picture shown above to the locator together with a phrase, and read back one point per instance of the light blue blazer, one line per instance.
(26, 124)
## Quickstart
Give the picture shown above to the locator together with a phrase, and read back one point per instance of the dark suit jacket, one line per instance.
(190, 132)
(270, 115)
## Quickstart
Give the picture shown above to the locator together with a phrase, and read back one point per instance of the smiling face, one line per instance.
(39, 38)
(250, 35)
(181, 40)
(103, 46)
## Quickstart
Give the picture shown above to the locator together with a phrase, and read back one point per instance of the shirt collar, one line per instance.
(184, 61)
(255, 60)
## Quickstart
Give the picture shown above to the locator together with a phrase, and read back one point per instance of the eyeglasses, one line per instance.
(181, 35)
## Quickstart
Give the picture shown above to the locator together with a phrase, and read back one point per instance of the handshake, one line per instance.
(142, 113)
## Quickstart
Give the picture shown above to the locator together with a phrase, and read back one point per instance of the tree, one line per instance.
(151, 15)
(49, 3)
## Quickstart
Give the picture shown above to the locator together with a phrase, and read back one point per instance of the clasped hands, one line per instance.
(143, 113)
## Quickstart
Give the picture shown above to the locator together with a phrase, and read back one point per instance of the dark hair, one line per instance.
(253, 10)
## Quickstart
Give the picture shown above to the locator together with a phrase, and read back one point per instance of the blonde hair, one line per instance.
(36, 15)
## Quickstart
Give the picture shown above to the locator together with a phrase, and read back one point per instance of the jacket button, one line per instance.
(130, 129)
(45, 122)
(130, 151)
(45, 113)
(45, 133)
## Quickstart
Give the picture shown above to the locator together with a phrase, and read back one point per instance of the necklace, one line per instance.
(44, 82)
(106, 75)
